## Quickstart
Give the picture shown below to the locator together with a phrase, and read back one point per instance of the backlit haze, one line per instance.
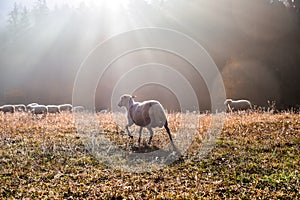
(255, 44)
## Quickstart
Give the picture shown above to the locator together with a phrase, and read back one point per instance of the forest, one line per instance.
(255, 45)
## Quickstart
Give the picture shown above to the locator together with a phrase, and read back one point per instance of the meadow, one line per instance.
(256, 156)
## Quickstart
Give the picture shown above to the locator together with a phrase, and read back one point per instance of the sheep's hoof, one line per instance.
(150, 140)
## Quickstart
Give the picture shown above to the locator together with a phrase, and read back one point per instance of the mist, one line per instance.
(255, 45)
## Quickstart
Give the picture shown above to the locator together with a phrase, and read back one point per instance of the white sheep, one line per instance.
(103, 111)
(65, 107)
(31, 104)
(237, 105)
(53, 109)
(7, 108)
(149, 114)
(20, 108)
(78, 109)
(38, 109)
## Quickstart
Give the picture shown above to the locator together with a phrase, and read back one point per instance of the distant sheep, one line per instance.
(28, 107)
(78, 109)
(20, 108)
(38, 109)
(237, 105)
(103, 111)
(7, 109)
(53, 109)
(65, 107)
(148, 114)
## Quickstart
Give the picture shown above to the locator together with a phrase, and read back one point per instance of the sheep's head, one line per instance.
(125, 99)
(228, 102)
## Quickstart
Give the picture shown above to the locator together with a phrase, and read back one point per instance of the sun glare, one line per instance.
(111, 4)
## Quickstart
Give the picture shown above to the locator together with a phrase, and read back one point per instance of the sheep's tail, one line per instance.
(168, 131)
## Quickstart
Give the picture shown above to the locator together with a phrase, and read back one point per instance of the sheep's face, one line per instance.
(124, 100)
(228, 102)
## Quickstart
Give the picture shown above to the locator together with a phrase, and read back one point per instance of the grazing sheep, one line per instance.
(38, 109)
(103, 111)
(20, 108)
(236, 105)
(53, 109)
(65, 107)
(148, 114)
(31, 104)
(78, 109)
(7, 108)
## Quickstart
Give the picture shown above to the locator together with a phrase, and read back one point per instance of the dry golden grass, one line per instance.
(256, 156)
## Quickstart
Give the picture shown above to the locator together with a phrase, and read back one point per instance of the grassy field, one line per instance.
(256, 156)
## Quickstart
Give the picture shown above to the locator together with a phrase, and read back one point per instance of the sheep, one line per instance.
(31, 104)
(78, 109)
(53, 109)
(20, 108)
(103, 111)
(149, 114)
(7, 108)
(65, 107)
(237, 105)
(38, 109)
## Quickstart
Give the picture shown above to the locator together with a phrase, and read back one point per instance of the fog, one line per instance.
(255, 45)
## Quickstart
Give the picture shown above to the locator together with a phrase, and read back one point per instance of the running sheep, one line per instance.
(237, 105)
(7, 109)
(149, 114)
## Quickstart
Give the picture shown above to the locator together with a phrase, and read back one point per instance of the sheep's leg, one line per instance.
(127, 129)
(140, 134)
(229, 110)
(151, 135)
(168, 131)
